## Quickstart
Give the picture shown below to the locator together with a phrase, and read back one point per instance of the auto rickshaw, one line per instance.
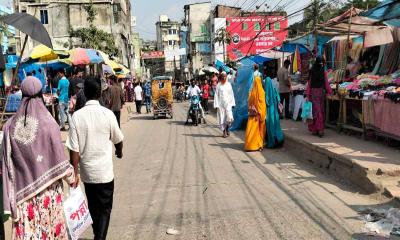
(162, 97)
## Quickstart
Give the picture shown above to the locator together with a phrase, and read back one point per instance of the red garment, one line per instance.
(206, 91)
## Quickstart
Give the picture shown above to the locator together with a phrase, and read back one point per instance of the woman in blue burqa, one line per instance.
(274, 136)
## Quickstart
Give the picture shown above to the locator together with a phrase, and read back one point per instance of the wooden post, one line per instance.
(15, 76)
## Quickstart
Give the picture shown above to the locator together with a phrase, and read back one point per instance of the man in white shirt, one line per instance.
(224, 102)
(194, 90)
(94, 129)
(138, 98)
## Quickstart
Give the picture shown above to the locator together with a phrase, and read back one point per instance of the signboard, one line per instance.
(175, 53)
(246, 36)
(152, 55)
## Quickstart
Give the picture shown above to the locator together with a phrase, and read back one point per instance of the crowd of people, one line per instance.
(32, 172)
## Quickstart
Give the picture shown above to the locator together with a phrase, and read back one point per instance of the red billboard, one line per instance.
(246, 36)
(153, 55)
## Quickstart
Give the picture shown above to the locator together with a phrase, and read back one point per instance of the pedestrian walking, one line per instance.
(33, 166)
(90, 143)
(138, 98)
(116, 98)
(63, 98)
(224, 102)
(275, 135)
(147, 96)
(285, 86)
(317, 88)
(205, 94)
(255, 130)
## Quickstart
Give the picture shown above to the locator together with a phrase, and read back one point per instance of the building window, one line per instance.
(244, 26)
(172, 31)
(277, 26)
(267, 27)
(203, 28)
(228, 23)
(44, 17)
(257, 26)
(170, 43)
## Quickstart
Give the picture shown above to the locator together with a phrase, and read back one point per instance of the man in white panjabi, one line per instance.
(224, 101)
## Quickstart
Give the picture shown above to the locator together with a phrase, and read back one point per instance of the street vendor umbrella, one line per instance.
(111, 63)
(210, 69)
(43, 53)
(29, 25)
(83, 56)
(32, 27)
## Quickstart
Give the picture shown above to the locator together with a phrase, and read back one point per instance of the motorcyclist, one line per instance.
(194, 90)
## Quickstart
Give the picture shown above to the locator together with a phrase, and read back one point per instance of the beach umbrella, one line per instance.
(43, 53)
(84, 56)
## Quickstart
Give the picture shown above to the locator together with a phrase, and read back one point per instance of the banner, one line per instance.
(255, 34)
(152, 55)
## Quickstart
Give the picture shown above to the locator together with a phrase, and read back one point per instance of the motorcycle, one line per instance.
(194, 111)
(180, 96)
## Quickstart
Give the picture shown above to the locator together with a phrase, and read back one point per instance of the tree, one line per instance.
(223, 37)
(361, 4)
(3, 30)
(92, 37)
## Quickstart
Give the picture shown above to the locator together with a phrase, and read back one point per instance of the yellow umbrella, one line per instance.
(123, 72)
(45, 54)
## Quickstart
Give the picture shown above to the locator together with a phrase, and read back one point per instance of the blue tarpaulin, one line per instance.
(219, 64)
(308, 41)
(241, 89)
(291, 47)
(259, 59)
(386, 10)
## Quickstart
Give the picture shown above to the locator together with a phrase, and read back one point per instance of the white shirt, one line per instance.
(138, 93)
(193, 91)
(93, 131)
(224, 97)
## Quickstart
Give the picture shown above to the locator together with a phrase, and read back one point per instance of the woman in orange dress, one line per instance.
(255, 130)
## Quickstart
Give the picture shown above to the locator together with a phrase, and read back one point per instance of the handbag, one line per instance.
(77, 213)
(306, 113)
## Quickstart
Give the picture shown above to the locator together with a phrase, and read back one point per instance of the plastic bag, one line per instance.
(306, 113)
(77, 213)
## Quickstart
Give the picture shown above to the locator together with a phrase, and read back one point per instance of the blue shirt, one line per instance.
(63, 88)
(147, 90)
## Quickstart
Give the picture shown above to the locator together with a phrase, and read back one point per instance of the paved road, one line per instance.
(191, 179)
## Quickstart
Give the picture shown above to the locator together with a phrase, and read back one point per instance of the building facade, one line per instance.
(60, 16)
(137, 53)
(7, 33)
(198, 21)
(168, 41)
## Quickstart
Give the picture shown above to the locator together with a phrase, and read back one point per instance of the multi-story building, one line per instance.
(7, 34)
(137, 53)
(168, 41)
(149, 45)
(198, 21)
(113, 16)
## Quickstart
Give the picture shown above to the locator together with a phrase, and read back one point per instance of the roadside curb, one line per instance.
(340, 165)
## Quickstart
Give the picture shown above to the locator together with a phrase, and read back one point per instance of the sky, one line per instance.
(148, 11)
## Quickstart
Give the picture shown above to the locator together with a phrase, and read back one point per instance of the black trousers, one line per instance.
(204, 103)
(100, 201)
(138, 106)
(286, 97)
(118, 116)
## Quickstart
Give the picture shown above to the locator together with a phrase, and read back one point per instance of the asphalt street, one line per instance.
(206, 187)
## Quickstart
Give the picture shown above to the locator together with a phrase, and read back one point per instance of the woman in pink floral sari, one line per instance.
(33, 166)
(317, 88)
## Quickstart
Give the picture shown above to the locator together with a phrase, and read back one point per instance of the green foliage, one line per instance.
(325, 10)
(3, 30)
(92, 37)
